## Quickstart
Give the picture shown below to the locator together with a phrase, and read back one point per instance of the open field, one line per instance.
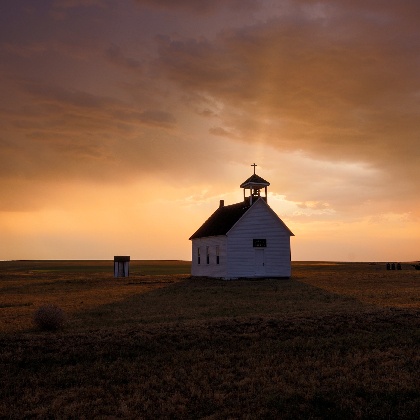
(338, 340)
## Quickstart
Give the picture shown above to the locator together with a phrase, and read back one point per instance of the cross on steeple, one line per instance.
(254, 184)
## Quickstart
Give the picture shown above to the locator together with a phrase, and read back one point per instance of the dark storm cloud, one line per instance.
(116, 56)
(336, 81)
(339, 81)
(68, 133)
(201, 6)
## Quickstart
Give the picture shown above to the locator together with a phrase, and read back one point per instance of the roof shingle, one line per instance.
(222, 220)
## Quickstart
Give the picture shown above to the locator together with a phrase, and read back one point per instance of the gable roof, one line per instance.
(222, 220)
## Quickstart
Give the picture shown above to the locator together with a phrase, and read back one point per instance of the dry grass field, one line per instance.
(338, 340)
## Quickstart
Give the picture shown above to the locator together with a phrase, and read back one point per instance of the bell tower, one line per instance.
(254, 184)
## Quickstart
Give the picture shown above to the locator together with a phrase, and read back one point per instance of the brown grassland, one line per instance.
(337, 340)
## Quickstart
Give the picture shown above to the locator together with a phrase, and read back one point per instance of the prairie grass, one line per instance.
(335, 341)
(74, 286)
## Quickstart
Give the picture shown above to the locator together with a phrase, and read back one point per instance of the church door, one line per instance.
(259, 262)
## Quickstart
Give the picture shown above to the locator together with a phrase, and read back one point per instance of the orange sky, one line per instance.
(124, 123)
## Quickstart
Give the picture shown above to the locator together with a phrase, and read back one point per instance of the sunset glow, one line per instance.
(123, 123)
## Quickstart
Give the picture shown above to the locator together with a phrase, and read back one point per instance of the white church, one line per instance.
(243, 240)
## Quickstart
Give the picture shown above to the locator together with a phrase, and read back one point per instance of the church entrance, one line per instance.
(259, 262)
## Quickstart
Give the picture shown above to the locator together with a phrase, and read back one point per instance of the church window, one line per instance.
(208, 254)
(198, 255)
(217, 255)
(260, 243)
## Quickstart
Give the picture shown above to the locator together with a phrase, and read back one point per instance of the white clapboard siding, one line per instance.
(259, 222)
(212, 269)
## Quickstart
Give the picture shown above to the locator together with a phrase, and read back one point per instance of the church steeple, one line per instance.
(254, 184)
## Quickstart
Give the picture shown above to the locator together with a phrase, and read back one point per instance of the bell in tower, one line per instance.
(254, 184)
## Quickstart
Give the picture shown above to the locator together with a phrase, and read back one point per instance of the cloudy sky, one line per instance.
(123, 123)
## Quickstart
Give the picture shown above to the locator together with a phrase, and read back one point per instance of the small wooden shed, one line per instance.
(121, 266)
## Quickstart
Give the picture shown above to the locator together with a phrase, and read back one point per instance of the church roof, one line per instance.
(254, 180)
(222, 220)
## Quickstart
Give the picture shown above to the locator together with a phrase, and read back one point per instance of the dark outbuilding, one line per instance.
(121, 266)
